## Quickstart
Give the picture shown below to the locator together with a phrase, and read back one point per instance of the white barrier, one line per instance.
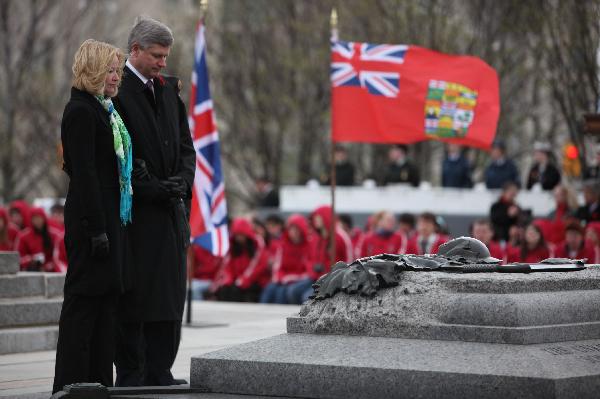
(400, 198)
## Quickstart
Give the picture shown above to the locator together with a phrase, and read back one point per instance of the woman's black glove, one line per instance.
(100, 246)
(140, 171)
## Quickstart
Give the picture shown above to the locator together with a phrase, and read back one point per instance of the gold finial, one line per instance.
(334, 18)
(334, 22)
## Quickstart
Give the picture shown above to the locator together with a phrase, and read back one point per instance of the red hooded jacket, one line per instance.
(205, 263)
(60, 256)
(586, 251)
(244, 270)
(321, 258)
(30, 245)
(293, 260)
(596, 227)
(8, 234)
(414, 246)
(376, 243)
(534, 256)
(23, 208)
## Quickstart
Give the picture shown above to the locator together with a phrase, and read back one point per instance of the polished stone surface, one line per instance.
(327, 366)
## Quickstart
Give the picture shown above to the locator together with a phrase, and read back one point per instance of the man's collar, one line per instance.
(136, 72)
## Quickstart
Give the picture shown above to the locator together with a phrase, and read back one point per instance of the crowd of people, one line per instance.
(277, 261)
(456, 170)
(37, 236)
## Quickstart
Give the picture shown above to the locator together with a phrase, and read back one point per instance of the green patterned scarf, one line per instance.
(122, 145)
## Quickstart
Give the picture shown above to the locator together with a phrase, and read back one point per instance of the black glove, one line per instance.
(100, 246)
(140, 171)
(175, 186)
(182, 187)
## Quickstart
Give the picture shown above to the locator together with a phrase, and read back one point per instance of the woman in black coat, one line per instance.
(97, 158)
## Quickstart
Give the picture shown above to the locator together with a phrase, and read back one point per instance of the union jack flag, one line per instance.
(208, 219)
(351, 72)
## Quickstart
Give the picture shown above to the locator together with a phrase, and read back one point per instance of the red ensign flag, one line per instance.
(384, 93)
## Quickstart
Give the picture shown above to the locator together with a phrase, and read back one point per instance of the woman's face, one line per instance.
(532, 236)
(387, 222)
(294, 234)
(37, 221)
(111, 83)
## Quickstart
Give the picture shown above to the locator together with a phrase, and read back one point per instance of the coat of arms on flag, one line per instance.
(449, 109)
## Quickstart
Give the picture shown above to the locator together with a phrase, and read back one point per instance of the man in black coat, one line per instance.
(164, 163)
(400, 169)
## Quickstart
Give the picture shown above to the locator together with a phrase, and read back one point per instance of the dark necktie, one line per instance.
(150, 86)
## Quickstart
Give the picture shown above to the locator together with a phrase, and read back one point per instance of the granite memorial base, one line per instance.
(435, 335)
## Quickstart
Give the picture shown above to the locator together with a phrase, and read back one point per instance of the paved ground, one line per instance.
(229, 324)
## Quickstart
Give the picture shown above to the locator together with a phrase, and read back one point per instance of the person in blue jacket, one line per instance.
(456, 169)
(500, 169)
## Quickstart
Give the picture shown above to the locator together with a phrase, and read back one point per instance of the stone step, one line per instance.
(340, 367)
(22, 285)
(35, 311)
(28, 339)
(31, 284)
(9, 262)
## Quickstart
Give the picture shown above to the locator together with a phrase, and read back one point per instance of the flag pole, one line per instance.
(332, 177)
(189, 252)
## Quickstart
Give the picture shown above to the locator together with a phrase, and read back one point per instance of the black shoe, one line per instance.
(179, 381)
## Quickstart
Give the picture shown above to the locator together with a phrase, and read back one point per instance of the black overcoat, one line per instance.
(92, 204)
(161, 137)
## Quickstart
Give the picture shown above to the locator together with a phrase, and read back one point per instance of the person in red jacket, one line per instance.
(57, 217)
(18, 212)
(533, 249)
(291, 262)
(244, 271)
(593, 236)
(59, 256)
(8, 232)
(482, 230)
(427, 240)
(385, 238)
(36, 244)
(575, 246)
(205, 266)
(320, 221)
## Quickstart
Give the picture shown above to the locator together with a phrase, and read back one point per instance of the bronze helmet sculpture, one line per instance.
(467, 248)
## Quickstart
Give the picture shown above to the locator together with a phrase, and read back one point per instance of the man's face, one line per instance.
(149, 61)
(496, 153)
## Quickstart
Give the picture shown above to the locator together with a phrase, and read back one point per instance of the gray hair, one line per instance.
(147, 31)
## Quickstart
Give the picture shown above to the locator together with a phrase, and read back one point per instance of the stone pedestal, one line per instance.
(436, 335)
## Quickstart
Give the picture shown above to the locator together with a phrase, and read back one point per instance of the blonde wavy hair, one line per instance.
(91, 64)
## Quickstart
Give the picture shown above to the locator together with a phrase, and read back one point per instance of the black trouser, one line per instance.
(146, 352)
(86, 340)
